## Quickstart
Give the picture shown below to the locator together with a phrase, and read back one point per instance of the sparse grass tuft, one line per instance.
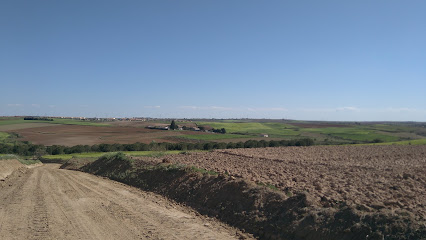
(268, 185)
(21, 160)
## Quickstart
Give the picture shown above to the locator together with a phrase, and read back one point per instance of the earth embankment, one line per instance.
(260, 210)
(7, 167)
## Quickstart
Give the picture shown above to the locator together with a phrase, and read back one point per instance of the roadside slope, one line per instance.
(266, 213)
(51, 203)
(7, 167)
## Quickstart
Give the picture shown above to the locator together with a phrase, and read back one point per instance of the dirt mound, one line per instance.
(7, 167)
(259, 210)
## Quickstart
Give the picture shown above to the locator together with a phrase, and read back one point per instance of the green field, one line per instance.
(99, 154)
(352, 133)
(347, 133)
(254, 129)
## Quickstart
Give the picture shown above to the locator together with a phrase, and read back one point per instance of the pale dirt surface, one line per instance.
(8, 166)
(378, 178)
(51, 203)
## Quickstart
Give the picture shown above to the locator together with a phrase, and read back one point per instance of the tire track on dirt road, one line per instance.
(52, 203)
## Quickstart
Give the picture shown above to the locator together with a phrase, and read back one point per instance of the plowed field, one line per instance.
(375, 178)
(70, 135)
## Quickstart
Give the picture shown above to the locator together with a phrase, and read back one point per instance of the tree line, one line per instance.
(38, 118)
(28, 149)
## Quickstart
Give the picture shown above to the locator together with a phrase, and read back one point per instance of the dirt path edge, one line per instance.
(263, 212)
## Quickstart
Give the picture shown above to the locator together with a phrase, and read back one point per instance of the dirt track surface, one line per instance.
(51, 203)
(379, 178)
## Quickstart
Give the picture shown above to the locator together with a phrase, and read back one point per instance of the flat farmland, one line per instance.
(388, 179)
(323, 132)
(70, 135)
(10, 127)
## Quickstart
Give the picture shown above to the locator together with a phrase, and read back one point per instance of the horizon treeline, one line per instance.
(28, 149)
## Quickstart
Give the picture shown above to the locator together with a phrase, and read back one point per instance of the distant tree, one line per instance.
(239, 145)
(223, 130)
(231, 145)
(173, 125)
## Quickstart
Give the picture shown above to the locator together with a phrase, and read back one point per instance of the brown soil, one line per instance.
(12, 127)
(51, 203)
(7, 167)
(266, 213)
(70, 135)
(378, 178)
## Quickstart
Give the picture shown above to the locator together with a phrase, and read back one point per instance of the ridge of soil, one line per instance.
(7, 167)
(259, 210)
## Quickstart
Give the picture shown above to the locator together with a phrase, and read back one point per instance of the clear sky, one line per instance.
(308, 60)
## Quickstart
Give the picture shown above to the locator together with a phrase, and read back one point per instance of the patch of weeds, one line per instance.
(21, 160)
(268, 185)
(28, 162)
(9, 156)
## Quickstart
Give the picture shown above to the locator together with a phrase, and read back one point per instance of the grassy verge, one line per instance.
(21, 160)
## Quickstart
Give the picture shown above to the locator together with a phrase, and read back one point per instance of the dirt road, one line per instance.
(50, 203)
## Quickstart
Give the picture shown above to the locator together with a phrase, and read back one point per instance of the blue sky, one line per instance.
(308, 60)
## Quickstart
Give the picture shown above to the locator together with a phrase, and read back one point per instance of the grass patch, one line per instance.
(8, 156)
(213, 136)
(4, 136)
(277, 130)
(268, 185)
(28, 161)
(352, 133)
(21, 160)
